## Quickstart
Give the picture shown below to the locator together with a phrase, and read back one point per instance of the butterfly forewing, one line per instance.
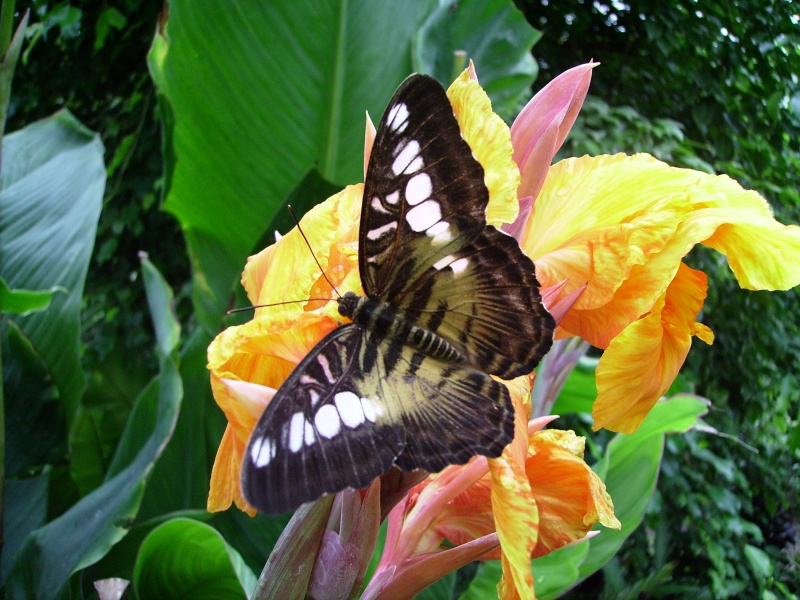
(424, 194)
(425, 246)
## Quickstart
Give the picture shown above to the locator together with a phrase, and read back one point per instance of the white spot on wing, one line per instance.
(349, 406)
(262, 451)
(393, 197)
(296, 426)
(424, 215)
(379, 232)
(327, 421)
(377, 206)
(313, 395)
(408, 160)
(398, 117)
(418, 188)
(309, 437)
(459, 265)
(443, 262)
(440, 232)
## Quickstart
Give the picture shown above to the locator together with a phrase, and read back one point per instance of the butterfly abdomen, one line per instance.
(379, 317)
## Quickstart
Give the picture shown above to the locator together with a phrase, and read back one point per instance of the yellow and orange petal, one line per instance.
(490, 140)
(641, 363)
(570, 496)
(622, 224)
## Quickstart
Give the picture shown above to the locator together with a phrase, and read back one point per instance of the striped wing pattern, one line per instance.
(449, 300)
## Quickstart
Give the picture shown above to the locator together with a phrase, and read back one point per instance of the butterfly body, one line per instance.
(380, 317)
(448, 301)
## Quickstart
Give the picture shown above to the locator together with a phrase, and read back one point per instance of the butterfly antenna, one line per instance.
(246, 308)
(321, 270)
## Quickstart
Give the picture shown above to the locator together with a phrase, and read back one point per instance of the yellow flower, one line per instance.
(617, 228)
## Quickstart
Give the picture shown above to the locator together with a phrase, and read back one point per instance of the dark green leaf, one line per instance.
(495, 35)
(285, 86)
(24, 509)
(52, 187)
(185, 559)
(84, 534)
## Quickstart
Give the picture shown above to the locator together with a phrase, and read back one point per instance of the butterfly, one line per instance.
(449, 300)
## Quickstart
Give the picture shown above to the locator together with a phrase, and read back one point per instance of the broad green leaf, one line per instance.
(85, 533)
(493, 34)
(284, 89)
(579, 391)
(253, 537)
(24, 302)
(35, 424)
(188, 559)
(180, 478)
(439, 590)
(630, 471)
(51, 190)
(484, 584)
(24, 509)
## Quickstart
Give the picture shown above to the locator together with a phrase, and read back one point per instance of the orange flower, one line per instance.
(538, 496)
(619, 226)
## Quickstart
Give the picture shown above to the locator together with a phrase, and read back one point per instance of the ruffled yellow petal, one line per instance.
(621, 225)
(490, 140)
(641, 363)
(570, 496)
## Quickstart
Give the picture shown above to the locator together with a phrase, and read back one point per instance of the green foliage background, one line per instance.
(713, 87)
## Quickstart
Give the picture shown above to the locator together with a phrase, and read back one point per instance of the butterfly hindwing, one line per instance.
(322, 431)
(450, 411)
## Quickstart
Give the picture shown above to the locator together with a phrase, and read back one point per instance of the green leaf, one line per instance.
(495, 35)
(760, 562)
(484, 584)
(180, 479)
(188, 559)
(579, 391)
(85, 533)
(35, 424)
(51, 190)
(285, 86)
(24, 509)
(25, 302)
(630, 470)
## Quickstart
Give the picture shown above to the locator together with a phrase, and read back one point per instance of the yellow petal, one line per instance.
(641, 363)
(286, 270)
(490, 140)
(630, 222)
(517, 520)
(224, 486)
(571, 498)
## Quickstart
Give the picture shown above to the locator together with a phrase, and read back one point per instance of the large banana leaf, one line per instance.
(51, 191)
